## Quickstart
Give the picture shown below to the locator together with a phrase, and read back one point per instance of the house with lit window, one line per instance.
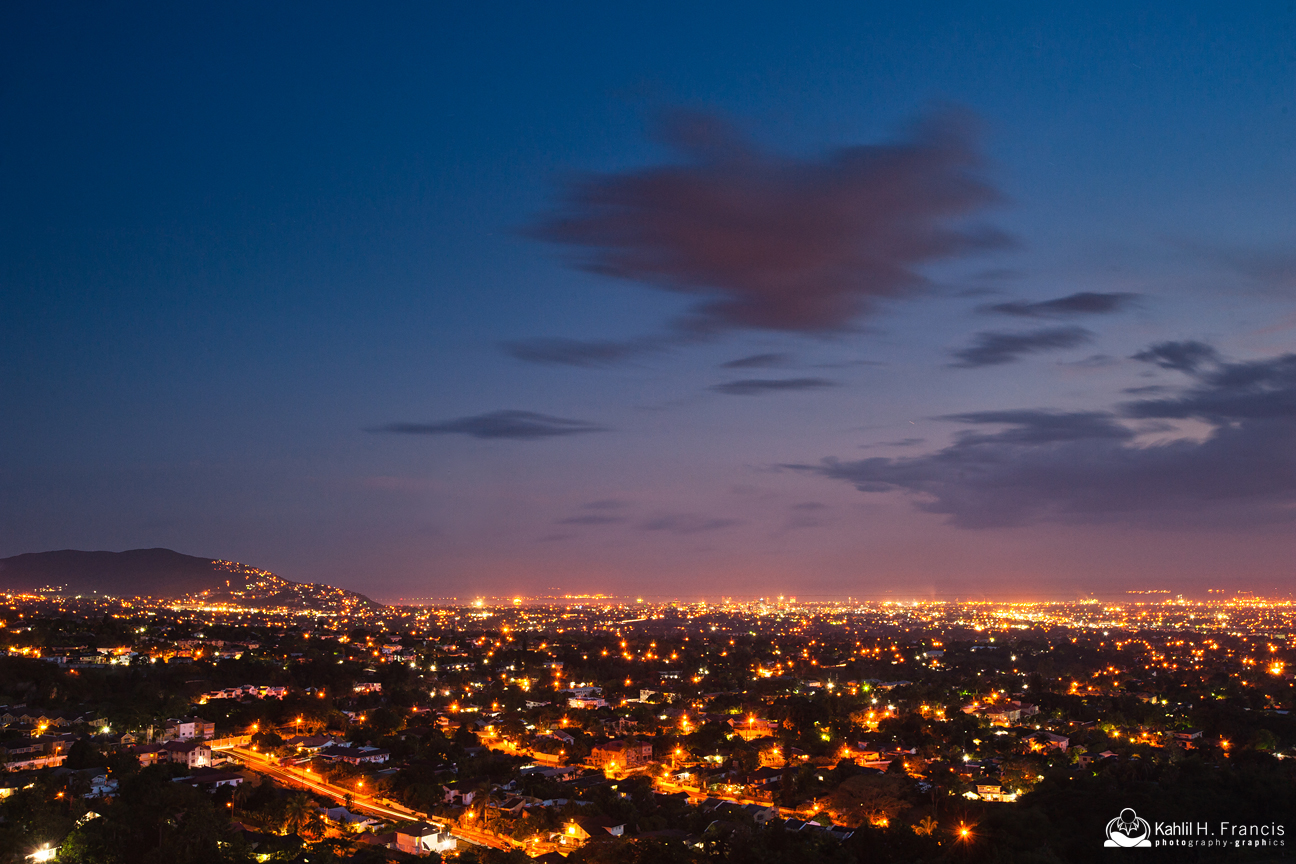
(188, 729)
(621, 754)
(194, 754)
(420, 838)
(582, 829)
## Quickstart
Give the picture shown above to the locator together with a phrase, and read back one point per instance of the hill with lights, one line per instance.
(162, 574)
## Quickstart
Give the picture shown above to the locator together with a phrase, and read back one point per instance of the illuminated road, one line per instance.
(360, 802)
(551, 760)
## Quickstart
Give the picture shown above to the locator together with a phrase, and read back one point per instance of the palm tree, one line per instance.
(297, 813)
(926, 827)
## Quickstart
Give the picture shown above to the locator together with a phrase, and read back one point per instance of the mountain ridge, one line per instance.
(168, 575)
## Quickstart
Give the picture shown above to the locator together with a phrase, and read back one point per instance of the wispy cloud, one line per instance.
(995, 348)
(903, 442)
(577, 352)
(1187, 356)
(781, 243)
(687, 523)
(1270, 270)
(757, 361)
(592, 519)
(764, 386)
(1018, 467)
(515, 425)
(1083, 303)
(606, 511)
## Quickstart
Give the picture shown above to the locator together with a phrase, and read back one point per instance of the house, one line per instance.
(621, 754)
(761, 813)
(988, 792)
(101, 786)
(582, 829)
(188, 728)
(32, 762)
(355, 755)
(458, 796)
(343, 816)
(43, 719)
(420, 838)
(754, 727)
(1002, 713)
(587, 702)
(309, 743)
(513, 805)
(149, 754)
(620, 726)
(1047, 740)
(194, 754)
(211, 779)
(25, 747)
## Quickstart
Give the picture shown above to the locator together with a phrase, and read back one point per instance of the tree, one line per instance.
(464, 735)
(875, 799)
(267, 740)
(83, 754)
(297, 813)
(155, 821)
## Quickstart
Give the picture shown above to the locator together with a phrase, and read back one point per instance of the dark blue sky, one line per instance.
(441, 301)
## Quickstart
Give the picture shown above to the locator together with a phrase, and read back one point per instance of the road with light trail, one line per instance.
(360, 802)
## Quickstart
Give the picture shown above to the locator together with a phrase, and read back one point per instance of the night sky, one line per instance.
(451, 300)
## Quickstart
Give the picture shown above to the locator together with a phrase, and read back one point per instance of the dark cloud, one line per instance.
(592, 519)
(807, 515)
(1040, 427)
(1084, 303)
(903, 442)
(757, 361)
(1093, 361)
(1187, 356)
(571, 352)
(761, 386)
(516, 425)
(687, 523)
(1271, 270)
(848, 364)
(1088, 466)
(584, 353)
(776, 242)
(1231, 394)
(1274, 270)
(998, 274)
(602, 512)
(605, 504)
(993, 349)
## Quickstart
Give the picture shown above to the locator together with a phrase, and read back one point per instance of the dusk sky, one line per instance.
(427, 300)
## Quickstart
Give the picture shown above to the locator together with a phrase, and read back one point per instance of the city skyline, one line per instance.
(857, 302)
